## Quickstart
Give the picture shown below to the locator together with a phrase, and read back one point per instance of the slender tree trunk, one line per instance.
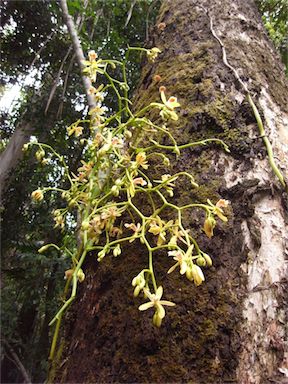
(77, 49)
(13, 152)
(231, 328)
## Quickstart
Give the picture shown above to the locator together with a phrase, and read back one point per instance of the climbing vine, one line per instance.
(119, 148)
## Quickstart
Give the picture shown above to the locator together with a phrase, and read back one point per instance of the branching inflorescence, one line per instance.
(114, 174)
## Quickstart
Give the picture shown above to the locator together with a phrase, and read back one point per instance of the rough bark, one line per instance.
(231, 328)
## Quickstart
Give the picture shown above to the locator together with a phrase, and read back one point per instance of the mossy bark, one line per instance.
(218, 332)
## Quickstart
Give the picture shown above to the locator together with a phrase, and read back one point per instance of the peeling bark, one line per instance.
(232, 328)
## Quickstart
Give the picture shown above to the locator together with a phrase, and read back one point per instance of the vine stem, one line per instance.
(262, 132)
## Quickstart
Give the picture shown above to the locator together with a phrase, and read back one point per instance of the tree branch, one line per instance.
(77, 49)
(17, 361)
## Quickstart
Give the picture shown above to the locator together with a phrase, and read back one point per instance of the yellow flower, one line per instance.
(197, 274)
(78, 131)
(135, 228)
(92, 55)
(117, 142)
(177, 234)
(157, 303)
(139, 181)
(92, 65)
(209, 225)
(68, 274)
(37, 195)
(222, 203)
(159, 227)
(170, 105)
(141, 160)
(152, 54)
(117, 250)
(217, 209)
(97, 111)
(181, 261)
(139, 283)
(80, 275)
(110, 213)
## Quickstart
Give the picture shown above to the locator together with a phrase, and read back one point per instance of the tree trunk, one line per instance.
(231, 328)
(13, 153)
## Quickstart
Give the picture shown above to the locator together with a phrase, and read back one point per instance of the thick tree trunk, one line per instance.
(13, 153)
(231, 328)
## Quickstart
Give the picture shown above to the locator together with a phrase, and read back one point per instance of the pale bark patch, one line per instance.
(263, 329)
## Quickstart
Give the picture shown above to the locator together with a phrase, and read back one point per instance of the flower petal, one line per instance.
(160, 311)
(173, 268)
(168, 303)
(183, 268)
(159, 292)
(145, 306)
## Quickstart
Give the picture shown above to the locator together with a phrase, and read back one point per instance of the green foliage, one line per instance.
(274, 15)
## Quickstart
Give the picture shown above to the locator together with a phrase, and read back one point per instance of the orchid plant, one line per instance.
(113, 175)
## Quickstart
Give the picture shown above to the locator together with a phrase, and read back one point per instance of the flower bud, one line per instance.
(166, 161)
(157, 78)
(44, 248)
(197, 274)
(25, 147)
(135, 281)
(40, 154)
(45, 161)
(65, 195)
(209, 225)
(207, 259)
(201, 261)
(101, 255)
(161, 26)
(189, 274)
(115, 190)
(68, 274)
(117, 250)
(157, 320)
(81, 275)
(85, 225)
(128, 134)
(136, 291)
